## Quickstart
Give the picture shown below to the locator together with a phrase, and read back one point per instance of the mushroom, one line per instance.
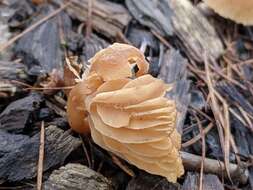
(119, 58)
(128, 115)
(240, 11)
(76, 111)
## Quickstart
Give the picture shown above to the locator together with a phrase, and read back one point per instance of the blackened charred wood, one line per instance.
(147, 181)
(18, 114)
(10, 142)
(210, 182)
(20, 161)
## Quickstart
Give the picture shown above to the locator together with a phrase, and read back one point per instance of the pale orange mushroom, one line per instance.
(115, 62)
(76, 111)
(126, 115)
(240, 11)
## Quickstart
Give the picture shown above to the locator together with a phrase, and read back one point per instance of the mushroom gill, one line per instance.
(128, 116)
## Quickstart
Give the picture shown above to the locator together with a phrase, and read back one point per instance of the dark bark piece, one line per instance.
(210, 182)
(244, 139)
(40, 49)
(91, 46)
(182, 19)
(85, 47)
(197, 99)
(242, 132)
(60, 122)
(22, 12)
(5, 12)
(213, 146)
(247, 71)
(108, 18)
(12, 71)
(241, 135)
(21, 163)
(18, 114)
(158, 20)
(76, 177)
(250, 142)
(173, 71)
(234, 96)
(11, 142)
(146, 181)
(137, 35)
(251, 177)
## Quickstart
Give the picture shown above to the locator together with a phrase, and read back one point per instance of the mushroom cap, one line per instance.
(240, 11)
(76, 109)
(115, 62)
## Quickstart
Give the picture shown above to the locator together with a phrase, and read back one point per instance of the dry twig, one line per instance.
(193, 162)
(89, 19)
(197, 137)
(203, 153)
(218, 116)
(41, 157)
(122, 166)
(86, 153)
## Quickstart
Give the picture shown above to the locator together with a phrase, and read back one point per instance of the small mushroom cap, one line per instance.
(115, 62)
(76, 109)
(240, 11)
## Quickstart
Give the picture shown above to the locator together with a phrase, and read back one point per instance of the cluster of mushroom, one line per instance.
(126, 112)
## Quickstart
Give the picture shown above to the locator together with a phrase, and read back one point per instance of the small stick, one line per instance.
(86, 153)
(122, 38)
(89, 19)
(203, 153)
(193, 162)
(50, 88)
(162, 39)
(41, 157)
(122, 166)
(197, 137)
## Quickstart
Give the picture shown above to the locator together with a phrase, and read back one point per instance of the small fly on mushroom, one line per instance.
(127, 114)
